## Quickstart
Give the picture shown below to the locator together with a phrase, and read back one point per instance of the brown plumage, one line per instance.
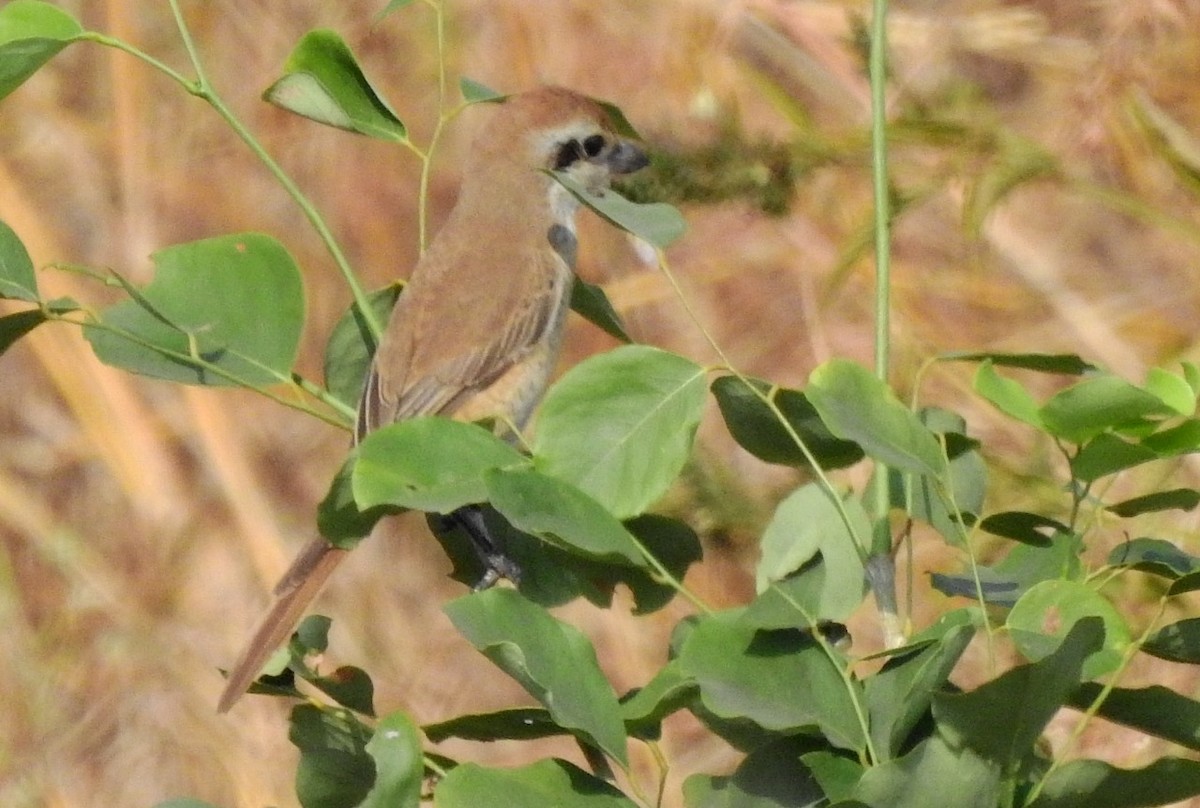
(476, 332)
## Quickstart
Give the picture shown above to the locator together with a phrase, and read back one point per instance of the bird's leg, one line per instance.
(487, 546)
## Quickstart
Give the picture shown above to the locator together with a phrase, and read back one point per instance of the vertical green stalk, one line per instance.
(881, 568)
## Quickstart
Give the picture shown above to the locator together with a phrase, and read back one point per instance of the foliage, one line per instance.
(816, 725)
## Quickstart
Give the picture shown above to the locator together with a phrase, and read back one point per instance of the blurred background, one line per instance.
(1047, 171)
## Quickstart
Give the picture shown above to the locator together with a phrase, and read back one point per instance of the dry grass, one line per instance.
(142, 524)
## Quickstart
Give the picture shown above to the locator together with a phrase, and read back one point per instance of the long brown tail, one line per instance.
(299, 585)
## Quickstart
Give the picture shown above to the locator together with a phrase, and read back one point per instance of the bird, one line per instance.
(477, 330)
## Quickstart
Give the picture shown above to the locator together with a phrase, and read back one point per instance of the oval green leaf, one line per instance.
(221, 311)
(323, 82)
(554, 661)
(1047, 612)
(17, 279)
(31, 33)
(656, 222)
(858, 407)
(620, 426)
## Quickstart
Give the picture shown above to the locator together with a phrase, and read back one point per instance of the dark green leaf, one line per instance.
(350, 347)
(339, 519)
(1095, 784)
(323, 82)
(235, 302)
(1176, 440)
(335, 770)
(15, 326)
(1153, 710)
(544, 783)
(1023, 567)
(656, 222)
(400, 769)
(312, 635)
(31, 33)
(1003, 719)
(520, 724)
(429, 464)
(758, 430)
(1183, 499)
(1154, 556)
(772, 776)
(619, 426)
(1065, 364)
(1178, 642)
(1027, 528)
(590, 302)
(924, 499)
(350, 687)
(858, 407)
(17, 278)
(552, 660)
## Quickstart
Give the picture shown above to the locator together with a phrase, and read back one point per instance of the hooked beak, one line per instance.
(626, 158)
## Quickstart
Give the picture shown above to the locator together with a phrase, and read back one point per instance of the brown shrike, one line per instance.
(476, 332)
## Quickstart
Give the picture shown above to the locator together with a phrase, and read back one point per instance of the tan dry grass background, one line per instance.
(141, 524)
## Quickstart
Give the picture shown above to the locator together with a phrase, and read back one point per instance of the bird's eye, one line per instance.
(592, 145)
(567, 154)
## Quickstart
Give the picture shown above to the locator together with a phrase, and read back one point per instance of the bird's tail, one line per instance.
(294, 592)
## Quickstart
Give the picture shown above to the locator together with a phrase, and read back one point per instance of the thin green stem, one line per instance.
(822, 479)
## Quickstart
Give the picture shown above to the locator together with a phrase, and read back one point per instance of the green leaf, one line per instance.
(1063, 364)
(934, 773)
(1154, 556)
(31, 34)
(1045, 614)
(950, 513)
(1096, 784)
(15, 326)
(1153, 710)
(644, 709)
(350, 347)
(17, 278)
(235, 302)
(590, 302)
(519, 724)
(399, 766)
(1007, 395)
(758, 430)
(1087, 408)
(656, 222)
(552, 660)
(1025, 566)
(339, 518)
(1172, 390)
(335, 770)
(858, 407)
(474, 92)
(1027, 528)
(1176, 440)
(1184, 499)
(560, 514)
(1177, 642)
(1003, 719)
(1107, 454)
(350, 687)
(808, 522)
(774, 775)
(746, 673)
(900, 695)
(549, 782)
(619, 426)
(429, 464)
(323, 82)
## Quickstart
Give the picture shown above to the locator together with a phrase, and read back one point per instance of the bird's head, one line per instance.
(555, 129)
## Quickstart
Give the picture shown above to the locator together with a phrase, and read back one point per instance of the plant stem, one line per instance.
(881, 569)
